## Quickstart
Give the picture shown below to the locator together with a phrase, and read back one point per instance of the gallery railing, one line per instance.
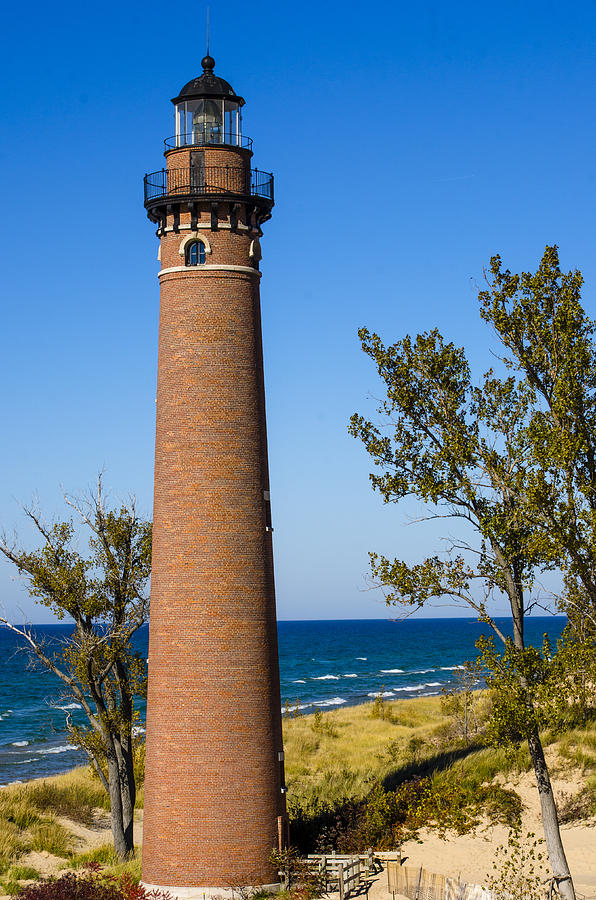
(206, 137)
(197, 181)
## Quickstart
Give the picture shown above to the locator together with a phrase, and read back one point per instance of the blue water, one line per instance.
(323, 664)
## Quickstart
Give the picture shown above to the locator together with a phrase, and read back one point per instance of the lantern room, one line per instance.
(208, 112)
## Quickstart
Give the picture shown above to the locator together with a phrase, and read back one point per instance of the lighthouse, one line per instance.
(214, 784)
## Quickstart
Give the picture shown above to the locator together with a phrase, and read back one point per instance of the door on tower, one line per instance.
(197, 171)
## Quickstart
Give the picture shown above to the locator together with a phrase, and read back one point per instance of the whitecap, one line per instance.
(420, 671)
(326, 678)
(450, 668)
(335, 701)
(69, 706)
(433, 684)
(291, 709)
(382, 694)
(351, 675)
(25, 762)
(64, 748)
(363, 658)
(392, 671)
(299, 681)
(138, 729)
(20, 743)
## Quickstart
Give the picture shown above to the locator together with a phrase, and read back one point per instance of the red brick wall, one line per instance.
(212, 790)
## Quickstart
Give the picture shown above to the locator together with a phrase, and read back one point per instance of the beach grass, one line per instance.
(337, 756)
(49, 836)
(348, 750)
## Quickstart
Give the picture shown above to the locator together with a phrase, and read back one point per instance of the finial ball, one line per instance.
(208, 64)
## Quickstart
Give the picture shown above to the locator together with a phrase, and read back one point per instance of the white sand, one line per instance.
(471, 856)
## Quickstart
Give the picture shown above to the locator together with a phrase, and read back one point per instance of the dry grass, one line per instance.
(334, 755)
(352, 749)
(28, 819)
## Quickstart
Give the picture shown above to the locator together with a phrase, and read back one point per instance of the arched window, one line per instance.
(195, 253)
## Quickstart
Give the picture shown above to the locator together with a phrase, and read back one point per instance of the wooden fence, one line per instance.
(418, 884)
(346, 873)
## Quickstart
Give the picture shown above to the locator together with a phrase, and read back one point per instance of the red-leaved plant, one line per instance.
(94, 884)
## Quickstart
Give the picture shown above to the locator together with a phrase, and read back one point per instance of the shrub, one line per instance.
(519, 870)
(577, 807)
(387, 817)
(302, 880)
(92, 885)
(322, 725)
(382, 710)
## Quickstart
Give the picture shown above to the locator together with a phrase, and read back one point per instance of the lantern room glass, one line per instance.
(208, 121)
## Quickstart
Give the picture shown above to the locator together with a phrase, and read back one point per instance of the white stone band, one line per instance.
(199, 270)
(207, 893)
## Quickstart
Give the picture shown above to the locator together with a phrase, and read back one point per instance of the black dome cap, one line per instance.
(208, 85)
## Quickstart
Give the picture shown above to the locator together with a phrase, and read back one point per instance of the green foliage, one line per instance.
(537, 689)
(23, 873)
(519, 871)
(386, 817)
(512, 460)
(301, 880)
(457, 447)
(104, 592)
(381, 709)
(323, 725)
(550, 342)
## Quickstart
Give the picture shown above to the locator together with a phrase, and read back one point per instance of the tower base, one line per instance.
(211, 893)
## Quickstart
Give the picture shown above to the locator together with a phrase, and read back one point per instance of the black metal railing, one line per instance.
(201, 182)
(208, 136)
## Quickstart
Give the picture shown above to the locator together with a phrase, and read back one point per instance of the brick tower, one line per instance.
(214, 789)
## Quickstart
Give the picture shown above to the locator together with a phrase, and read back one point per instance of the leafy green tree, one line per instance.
(105, 594)
(463, 450)
(551, 342)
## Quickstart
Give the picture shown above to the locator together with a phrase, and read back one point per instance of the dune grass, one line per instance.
(355, 749)
(341, 754)
(29, 816)
(334, 756)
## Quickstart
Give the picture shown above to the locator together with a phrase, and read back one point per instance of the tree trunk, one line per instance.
(127, 789)
(550, 820)
(123, 842)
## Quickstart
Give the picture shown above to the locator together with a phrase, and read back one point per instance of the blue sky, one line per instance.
(409, 143)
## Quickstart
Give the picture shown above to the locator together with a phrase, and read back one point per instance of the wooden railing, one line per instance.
(345, 873)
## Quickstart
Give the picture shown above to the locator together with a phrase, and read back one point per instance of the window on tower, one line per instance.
(195, 253)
